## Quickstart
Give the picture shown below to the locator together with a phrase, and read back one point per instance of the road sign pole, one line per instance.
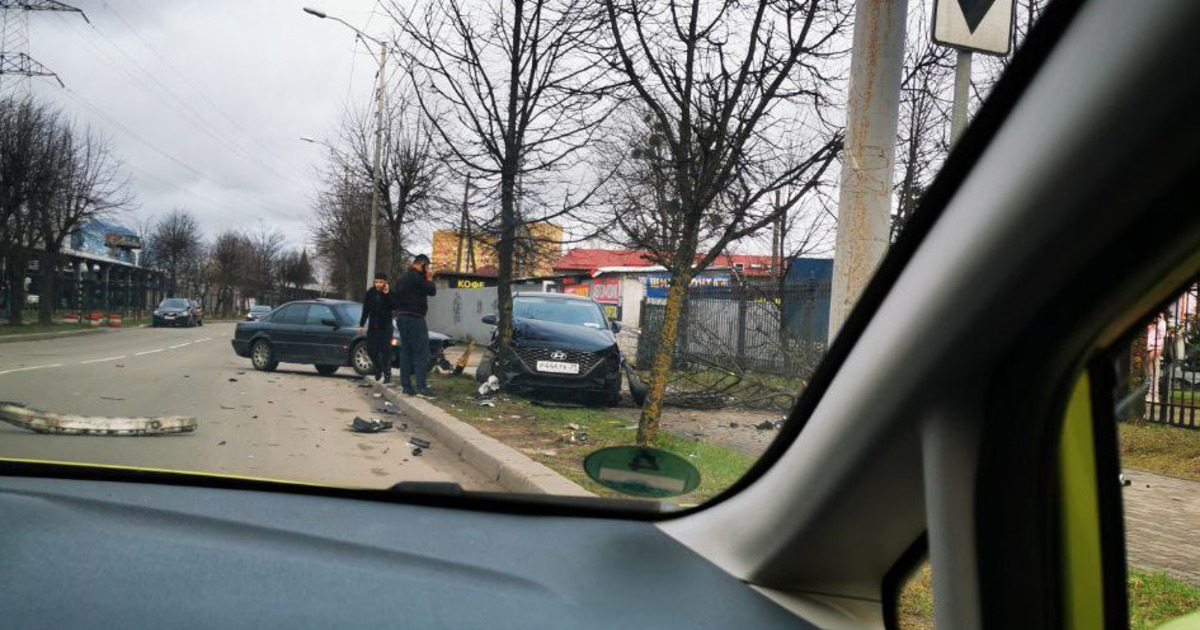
(962, 94)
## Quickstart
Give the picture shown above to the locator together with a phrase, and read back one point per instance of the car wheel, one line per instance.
(326, 370)
(360, 359)
(263, 357)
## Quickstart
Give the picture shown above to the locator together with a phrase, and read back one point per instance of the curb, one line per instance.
(63, 334)
(496, 460)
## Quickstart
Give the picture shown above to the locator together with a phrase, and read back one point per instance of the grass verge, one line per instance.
(1161, 449)
(551, 435)
(1154, 599)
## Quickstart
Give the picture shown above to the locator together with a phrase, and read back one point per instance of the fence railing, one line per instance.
(751, 328)
(1172, 364)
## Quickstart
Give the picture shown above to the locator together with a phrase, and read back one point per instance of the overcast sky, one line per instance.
(205, 100)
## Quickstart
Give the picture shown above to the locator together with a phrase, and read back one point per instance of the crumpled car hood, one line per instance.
(542, 334)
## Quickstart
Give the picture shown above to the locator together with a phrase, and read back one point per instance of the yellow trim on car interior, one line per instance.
(192, 473)
(1083, 586)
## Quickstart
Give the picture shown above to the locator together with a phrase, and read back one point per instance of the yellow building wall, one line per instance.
(544, 249)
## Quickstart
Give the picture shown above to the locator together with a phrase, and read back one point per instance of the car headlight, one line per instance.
(395, 342)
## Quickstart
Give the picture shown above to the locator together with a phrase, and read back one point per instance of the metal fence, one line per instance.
(1172, 363)
(753, 328)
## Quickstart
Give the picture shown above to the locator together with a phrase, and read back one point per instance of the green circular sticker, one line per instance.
(642, 471)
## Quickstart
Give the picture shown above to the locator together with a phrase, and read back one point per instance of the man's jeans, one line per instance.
(414, 350)
(379, 344)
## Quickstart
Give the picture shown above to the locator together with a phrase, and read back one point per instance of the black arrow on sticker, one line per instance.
(974, 11)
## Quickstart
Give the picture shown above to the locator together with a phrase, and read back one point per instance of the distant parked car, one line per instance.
(178, 312)
(257, 312)
(322, 333)
(564, 346)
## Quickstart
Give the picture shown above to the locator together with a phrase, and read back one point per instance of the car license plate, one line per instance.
(558, 367)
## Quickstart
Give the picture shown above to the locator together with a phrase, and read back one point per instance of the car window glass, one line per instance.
(574, 312)
(291, 314)
(174, 303)
(318, 312)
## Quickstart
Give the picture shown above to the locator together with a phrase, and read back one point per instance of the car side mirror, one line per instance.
(490, 320)
(329, 321)
(616, 327)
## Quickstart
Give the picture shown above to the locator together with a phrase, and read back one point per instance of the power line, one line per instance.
(182, 76)
(193, 117)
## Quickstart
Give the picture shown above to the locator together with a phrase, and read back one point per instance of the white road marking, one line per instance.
(148, 352)
(101, 360)
(180, 345)
(26, 369)
(202, 340)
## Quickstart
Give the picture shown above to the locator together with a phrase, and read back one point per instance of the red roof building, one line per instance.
(588, 260)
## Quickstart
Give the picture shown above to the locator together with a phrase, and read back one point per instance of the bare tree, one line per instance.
(264, 248)
(228, 255)
(294, 271)
(89, 183)
(411, 172)
(340, 230)
(28, 177)
(724, 84)
(506, 91)
(174, 245)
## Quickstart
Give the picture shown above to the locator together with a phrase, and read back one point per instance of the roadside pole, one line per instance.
(868, 159)
(371, 246)
(962, 95)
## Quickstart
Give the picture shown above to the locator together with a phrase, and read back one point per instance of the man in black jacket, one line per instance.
(411, 301)
(377, 315)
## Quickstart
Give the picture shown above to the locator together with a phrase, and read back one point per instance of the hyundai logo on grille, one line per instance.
(558, 355)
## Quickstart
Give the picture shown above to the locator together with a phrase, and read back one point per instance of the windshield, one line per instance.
(574, 312)
(229, 152)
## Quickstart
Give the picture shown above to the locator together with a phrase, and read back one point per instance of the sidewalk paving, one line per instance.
(1162, 514)
(1162, 524)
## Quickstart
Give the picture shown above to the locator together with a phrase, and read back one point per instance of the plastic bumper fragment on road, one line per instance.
(38, 421)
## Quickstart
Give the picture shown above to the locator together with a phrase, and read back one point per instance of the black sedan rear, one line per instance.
(322, 333)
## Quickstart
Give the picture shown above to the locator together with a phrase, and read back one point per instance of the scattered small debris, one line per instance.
(1124, 482)
(418, 442)
(254, 417)
(270, 402)
(403, 426)
(221, 443)
(364, 384)
(733, 425)
(187, 376)
(120, 365)
(490, 387)
(241, 372)
(374, 425)
(769, 425)
(232, 380)
(377, 395)
(110, 398)
(579, 438)
(227, 408)
(691, 454)
(416, 452)
(487, 403)
(515, 417)
(574, 427)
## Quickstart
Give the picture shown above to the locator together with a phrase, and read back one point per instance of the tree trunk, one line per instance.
(505, 251)
(17, 264)
(651, 412)
(46, 288)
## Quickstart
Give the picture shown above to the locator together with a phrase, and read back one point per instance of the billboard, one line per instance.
(657, 284)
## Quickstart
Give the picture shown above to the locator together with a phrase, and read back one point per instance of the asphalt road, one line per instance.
(290, 424)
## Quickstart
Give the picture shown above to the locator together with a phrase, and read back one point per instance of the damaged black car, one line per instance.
(564, 347)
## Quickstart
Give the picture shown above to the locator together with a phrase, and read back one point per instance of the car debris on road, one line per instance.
(38, 421)
(374, 425)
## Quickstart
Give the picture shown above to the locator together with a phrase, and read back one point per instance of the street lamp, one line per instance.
(372, 245)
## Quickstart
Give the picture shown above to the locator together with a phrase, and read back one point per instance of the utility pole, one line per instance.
(17, 68)
(381, 81)
(868, 159)
(375, 171)
(463, 226)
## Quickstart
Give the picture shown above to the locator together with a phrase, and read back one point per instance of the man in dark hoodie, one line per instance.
(377, 316)
(411, 301)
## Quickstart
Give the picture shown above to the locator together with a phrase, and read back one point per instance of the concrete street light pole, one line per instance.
(868, 159)
(372, 245)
